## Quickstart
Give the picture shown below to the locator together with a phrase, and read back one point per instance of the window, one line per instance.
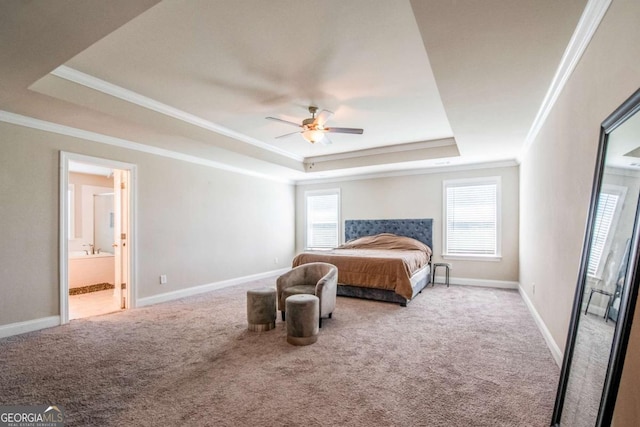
(604, 222)
(322, 218)
(472, 217)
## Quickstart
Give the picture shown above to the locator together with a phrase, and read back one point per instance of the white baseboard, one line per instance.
(551, 343)
(501, 284)
(195, 290)
(28, 326)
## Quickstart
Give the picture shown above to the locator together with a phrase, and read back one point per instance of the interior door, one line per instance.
(124, 238)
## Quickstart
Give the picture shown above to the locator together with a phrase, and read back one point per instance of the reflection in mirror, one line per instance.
(606, 271)
(86, 181)
(103, 221)
(603, 279)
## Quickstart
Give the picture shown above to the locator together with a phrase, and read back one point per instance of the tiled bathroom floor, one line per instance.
(92, 304)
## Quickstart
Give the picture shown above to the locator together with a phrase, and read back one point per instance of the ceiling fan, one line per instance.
(314, 129)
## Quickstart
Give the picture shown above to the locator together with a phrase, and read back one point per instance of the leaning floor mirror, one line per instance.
(607, 286)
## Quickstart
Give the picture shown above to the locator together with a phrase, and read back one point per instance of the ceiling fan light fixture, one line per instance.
(313, 135)
(313, 128)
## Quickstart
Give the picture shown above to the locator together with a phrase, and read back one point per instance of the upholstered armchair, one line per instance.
(316, 278)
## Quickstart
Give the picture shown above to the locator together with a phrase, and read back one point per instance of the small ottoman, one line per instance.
(261, 309)
(303, 312)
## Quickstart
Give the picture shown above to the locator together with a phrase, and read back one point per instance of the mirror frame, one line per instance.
(630, 290)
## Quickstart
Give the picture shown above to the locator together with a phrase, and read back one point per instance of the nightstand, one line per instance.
(446, 266)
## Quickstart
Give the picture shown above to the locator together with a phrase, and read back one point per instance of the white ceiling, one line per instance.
(432, 83)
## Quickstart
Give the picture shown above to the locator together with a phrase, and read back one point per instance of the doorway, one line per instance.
(97, 213)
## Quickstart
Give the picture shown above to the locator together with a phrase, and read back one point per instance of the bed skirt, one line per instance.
(418, 282)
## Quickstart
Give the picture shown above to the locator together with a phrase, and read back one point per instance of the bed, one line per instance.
(373, 264)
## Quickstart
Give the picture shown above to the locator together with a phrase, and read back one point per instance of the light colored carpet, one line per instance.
(457, 356)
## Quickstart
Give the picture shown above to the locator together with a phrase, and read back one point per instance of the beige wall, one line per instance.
(196, 224)
(420, 196)
(557, 171)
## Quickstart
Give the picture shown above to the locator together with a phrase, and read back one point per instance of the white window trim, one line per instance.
(340, 226)
(492, 258)
(497, 180)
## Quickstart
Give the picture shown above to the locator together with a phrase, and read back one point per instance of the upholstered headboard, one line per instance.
(419, 229)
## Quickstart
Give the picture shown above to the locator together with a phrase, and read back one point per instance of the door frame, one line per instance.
(131, 281)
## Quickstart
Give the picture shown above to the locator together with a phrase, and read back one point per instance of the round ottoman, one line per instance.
(261, 309)
(303, 314)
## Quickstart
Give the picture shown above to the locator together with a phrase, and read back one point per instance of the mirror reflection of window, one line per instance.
(604, 257)
(607, 207)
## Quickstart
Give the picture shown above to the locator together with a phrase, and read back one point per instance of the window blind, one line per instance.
(471, 219)
(605, 211)
(322, 220)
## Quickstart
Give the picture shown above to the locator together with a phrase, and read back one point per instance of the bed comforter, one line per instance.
(384, 261)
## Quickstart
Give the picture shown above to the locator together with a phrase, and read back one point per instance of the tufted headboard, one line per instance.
(419, 229)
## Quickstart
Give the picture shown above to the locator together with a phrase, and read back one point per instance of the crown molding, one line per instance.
(116, 91)
(421, 171)
(46, 126)
(411, 146)
(591, 17)
(33, 123)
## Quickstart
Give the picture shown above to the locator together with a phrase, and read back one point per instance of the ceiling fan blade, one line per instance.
(287, 134)
(284, 121)
(345, 130)
(322, 117)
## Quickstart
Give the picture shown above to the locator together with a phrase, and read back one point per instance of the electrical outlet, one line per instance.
(534, 288)
(275, 260)
(163, 279)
